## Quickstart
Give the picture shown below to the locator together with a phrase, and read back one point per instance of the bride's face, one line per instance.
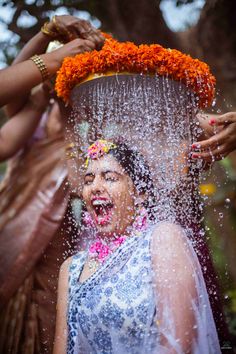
(109, 195)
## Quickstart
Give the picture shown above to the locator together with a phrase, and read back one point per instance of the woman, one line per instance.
(138, 288)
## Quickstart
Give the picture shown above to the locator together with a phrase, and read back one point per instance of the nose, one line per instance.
(97, 185)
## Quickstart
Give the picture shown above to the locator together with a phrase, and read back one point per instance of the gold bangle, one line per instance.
(47, 31)
(38, 61)
(54, 21)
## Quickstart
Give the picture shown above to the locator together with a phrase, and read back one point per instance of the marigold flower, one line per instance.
(128, 57)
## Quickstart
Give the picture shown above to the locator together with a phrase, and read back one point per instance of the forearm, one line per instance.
(19, 78)
(37, 45)
(24, 75)
(17, 131)
(55, 29)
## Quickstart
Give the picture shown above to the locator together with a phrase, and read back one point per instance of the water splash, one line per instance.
(154, 115)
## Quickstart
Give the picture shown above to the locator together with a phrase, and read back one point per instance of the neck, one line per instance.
(112, 236)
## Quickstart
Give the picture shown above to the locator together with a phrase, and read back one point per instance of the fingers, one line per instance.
(98, 39)
(85, 45)
(77, 46)
(84, 28)
(87, 31)
(221, 143)
(70, 28)
(226, 118)
(89, 43)
(58, 26)
(227, 134)
(212, 142)
(212, 155)
(211, 149)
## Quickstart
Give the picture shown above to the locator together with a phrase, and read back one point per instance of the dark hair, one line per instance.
(138, 170)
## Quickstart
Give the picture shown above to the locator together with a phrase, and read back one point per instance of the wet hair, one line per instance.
(137, 169)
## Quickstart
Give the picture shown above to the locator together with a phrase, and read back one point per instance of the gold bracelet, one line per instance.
(38, 61)
(47, 31)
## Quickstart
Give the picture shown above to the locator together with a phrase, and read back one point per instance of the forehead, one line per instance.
(105, 163)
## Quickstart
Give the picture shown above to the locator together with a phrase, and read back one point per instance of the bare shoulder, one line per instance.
(168, 229)
(171, 249)
(66, 265)
(167, 226)
(169, 235)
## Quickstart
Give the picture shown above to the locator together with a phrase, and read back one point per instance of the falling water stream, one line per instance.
(156, 116)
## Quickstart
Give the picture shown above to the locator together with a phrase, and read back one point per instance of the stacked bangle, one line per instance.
(38, 61)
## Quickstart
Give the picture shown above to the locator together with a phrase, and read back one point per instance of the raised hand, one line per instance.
(66, 28)
(222, 139)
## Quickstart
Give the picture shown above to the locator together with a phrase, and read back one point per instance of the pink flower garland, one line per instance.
(99, 250)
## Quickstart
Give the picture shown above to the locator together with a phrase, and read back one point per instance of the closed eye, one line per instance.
(111, 177)
(88, 179)
(87, 182)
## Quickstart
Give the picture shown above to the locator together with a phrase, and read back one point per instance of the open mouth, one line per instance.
(102, 210)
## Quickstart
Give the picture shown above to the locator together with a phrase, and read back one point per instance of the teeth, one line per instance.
(100, 202)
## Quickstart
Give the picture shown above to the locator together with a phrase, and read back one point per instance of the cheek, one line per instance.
(124, 198)
(85, 195)
(129, 200)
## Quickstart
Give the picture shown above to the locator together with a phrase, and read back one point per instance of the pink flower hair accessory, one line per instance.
(99, 149)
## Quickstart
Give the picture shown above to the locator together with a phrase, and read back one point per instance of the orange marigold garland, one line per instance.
(127, 57)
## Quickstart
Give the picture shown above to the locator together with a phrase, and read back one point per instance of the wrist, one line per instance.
(48, 30)
(42, 40)
(52, 62)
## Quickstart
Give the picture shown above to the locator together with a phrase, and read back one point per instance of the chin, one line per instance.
(110, 228)
(106, 229)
